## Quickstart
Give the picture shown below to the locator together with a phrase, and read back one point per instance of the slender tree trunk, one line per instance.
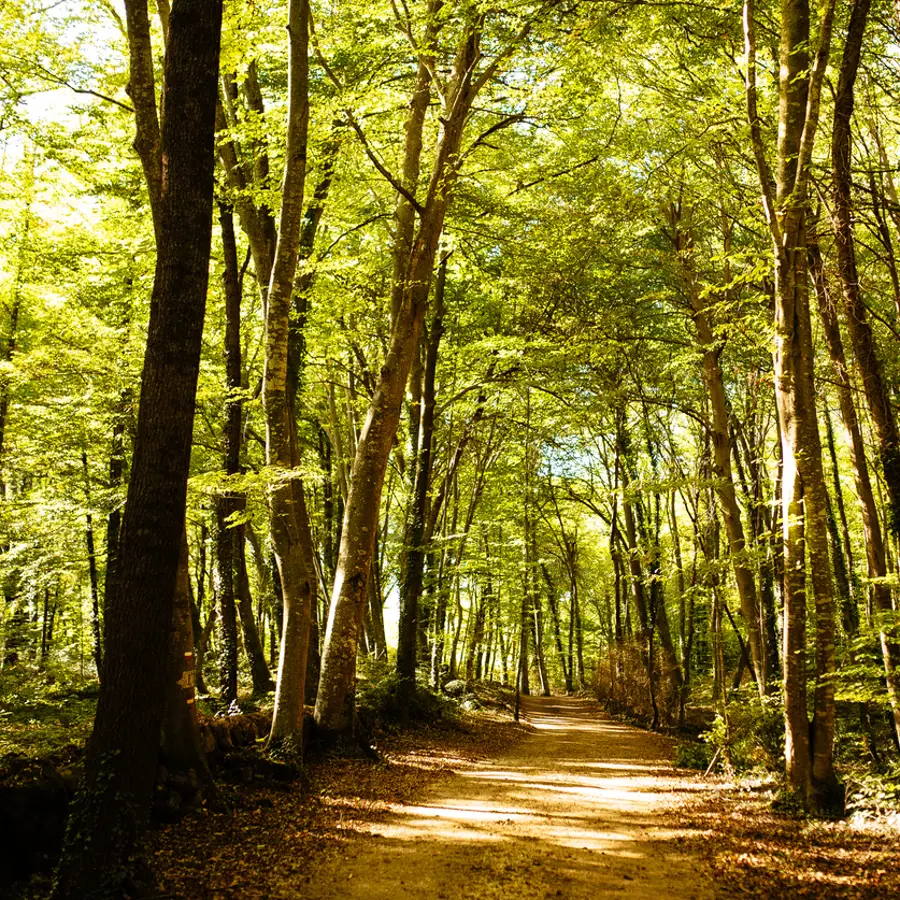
(227, 639)
(286, 501)
(862, 339)
(722, 446)
(411, 588)
(579, 644)
(262, 680)
(809, 749)
(114, 519)
(9, 340)
(181, 746)
(876, 558)
(97, 646)
(335, 700)
(557, 634)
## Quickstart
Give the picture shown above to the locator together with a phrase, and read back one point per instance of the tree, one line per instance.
(111, 810)
(809, 750)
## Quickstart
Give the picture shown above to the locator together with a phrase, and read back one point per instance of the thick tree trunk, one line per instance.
(110, 812)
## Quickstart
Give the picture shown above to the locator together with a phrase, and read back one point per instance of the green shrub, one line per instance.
(753, 737)
(378, 700)
(692, 755)
(876, 794)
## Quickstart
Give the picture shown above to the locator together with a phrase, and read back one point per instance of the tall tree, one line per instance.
(335, 700)
(809, 748)
(109, 815)
(287, 509)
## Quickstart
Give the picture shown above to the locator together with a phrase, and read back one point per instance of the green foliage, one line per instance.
(860, 678)
(752, 737)
(693, 755)
(875, 793)
(379, 701)
(39, 716)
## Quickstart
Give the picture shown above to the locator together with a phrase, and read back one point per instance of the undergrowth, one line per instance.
(379, 701)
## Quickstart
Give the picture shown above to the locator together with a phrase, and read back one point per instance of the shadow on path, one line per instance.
(574, 811)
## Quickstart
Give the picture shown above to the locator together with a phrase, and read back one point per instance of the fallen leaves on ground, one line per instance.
(755, 852)
(275, 837)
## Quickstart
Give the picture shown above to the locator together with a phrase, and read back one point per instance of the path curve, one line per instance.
(574, 811)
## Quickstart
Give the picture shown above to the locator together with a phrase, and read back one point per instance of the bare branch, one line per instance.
(392, 179)
(767, 182)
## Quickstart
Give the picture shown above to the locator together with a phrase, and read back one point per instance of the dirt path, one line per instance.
(573, 812)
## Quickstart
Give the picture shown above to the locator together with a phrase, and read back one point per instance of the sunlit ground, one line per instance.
(574, 812)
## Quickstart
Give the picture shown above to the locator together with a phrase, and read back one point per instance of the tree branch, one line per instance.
(394, 182)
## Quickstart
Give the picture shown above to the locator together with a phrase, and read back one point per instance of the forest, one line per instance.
(468, 425)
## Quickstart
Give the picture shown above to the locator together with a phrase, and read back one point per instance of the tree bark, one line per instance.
(96, 625)
(259, 671)
(110, 813)
(411, 588)
(809, 748)
(862, 339)
(876, 558)
(722, 441)
(557, 634)
(224, 594)
(181, 745)
(335, 700)
(286, 499)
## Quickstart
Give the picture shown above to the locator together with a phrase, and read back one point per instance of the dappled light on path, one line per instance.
(575, 811)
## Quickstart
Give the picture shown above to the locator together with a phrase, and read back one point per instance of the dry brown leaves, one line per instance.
(278, 836)
(755, 852)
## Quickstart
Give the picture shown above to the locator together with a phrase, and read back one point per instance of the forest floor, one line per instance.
(570, 804)
(573, 810)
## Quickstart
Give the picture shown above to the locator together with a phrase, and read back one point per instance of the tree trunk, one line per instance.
(862, 339)
(335, 701)
(286, 500)
(109, 815)
(181, 746)
(414, 569)
(96, 646)
(876, 559)
(557, 634)
(114, 519)
(227, 639)
(809, 749)
(262, 680)
(722, 445)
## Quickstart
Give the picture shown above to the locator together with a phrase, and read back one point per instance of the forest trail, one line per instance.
(574, 811)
